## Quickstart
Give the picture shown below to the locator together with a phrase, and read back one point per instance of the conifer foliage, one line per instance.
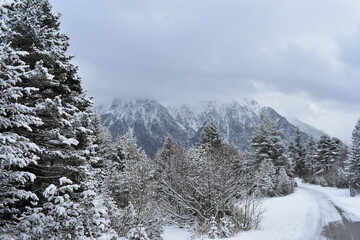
(46, 140)
(17, 151)
(353, 164)
(268, 156)
(60, 101)
(324, 162)
(266, 144)
(132, 186)
(296, 153)
(310, 157)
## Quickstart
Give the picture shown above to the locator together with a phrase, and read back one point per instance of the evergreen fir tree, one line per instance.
(326, 156)
(64, 140)
(135, 191)
(171, 170)
(102, 142)
(284, 185)
(60, 101)
(210, 137)
(17, 151)
(265, 179)
(170, 159)
(339, 152)
(310, 159)
(353, 164)
(266, 144)
(296, 152)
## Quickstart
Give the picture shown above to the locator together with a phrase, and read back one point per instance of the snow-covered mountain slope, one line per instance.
(151, 121)
(235, 119)
(306, 128)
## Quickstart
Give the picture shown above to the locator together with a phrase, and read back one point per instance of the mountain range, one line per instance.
(151, 122)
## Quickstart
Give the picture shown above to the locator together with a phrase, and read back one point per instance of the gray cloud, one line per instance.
(189, 50)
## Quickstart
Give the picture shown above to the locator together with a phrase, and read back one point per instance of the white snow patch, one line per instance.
(65, 180)
(176, 233)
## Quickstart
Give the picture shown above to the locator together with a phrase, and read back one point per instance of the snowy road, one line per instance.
(311, 213)
(333, 221)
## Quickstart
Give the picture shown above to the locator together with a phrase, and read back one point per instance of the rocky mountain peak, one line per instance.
(151, 121)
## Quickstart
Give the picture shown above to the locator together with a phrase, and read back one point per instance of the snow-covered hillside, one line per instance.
(232, 118)
(151, 121)
(306, 128)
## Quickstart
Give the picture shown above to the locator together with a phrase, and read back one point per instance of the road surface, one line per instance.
(333, 223)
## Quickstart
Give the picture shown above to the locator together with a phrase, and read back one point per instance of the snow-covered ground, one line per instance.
(298, 216)
(340, 197)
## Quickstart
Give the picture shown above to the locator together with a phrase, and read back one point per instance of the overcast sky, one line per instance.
(301, 57)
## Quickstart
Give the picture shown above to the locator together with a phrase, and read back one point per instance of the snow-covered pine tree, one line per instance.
(284, 185)
(265, 179)
(171, 170)
(170, 159)
(96, 209)
(17, 151)
(339, 152)
(325, 158)
(353, 164)
(266, 144)
(337, 177)
(102, 142)
(310, 158)
(64, 138)
(114, 179)
(268, 153)
(296, 152)
(138, 172)
(210, 138)
(135, 192)
(327, 167)
(60, 102)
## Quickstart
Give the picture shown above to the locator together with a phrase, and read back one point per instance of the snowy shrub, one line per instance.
(265, 179)
(245, 215)
(202, 186)
(137, 233)
(248, 213)
(284, 185)
(137, 225)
